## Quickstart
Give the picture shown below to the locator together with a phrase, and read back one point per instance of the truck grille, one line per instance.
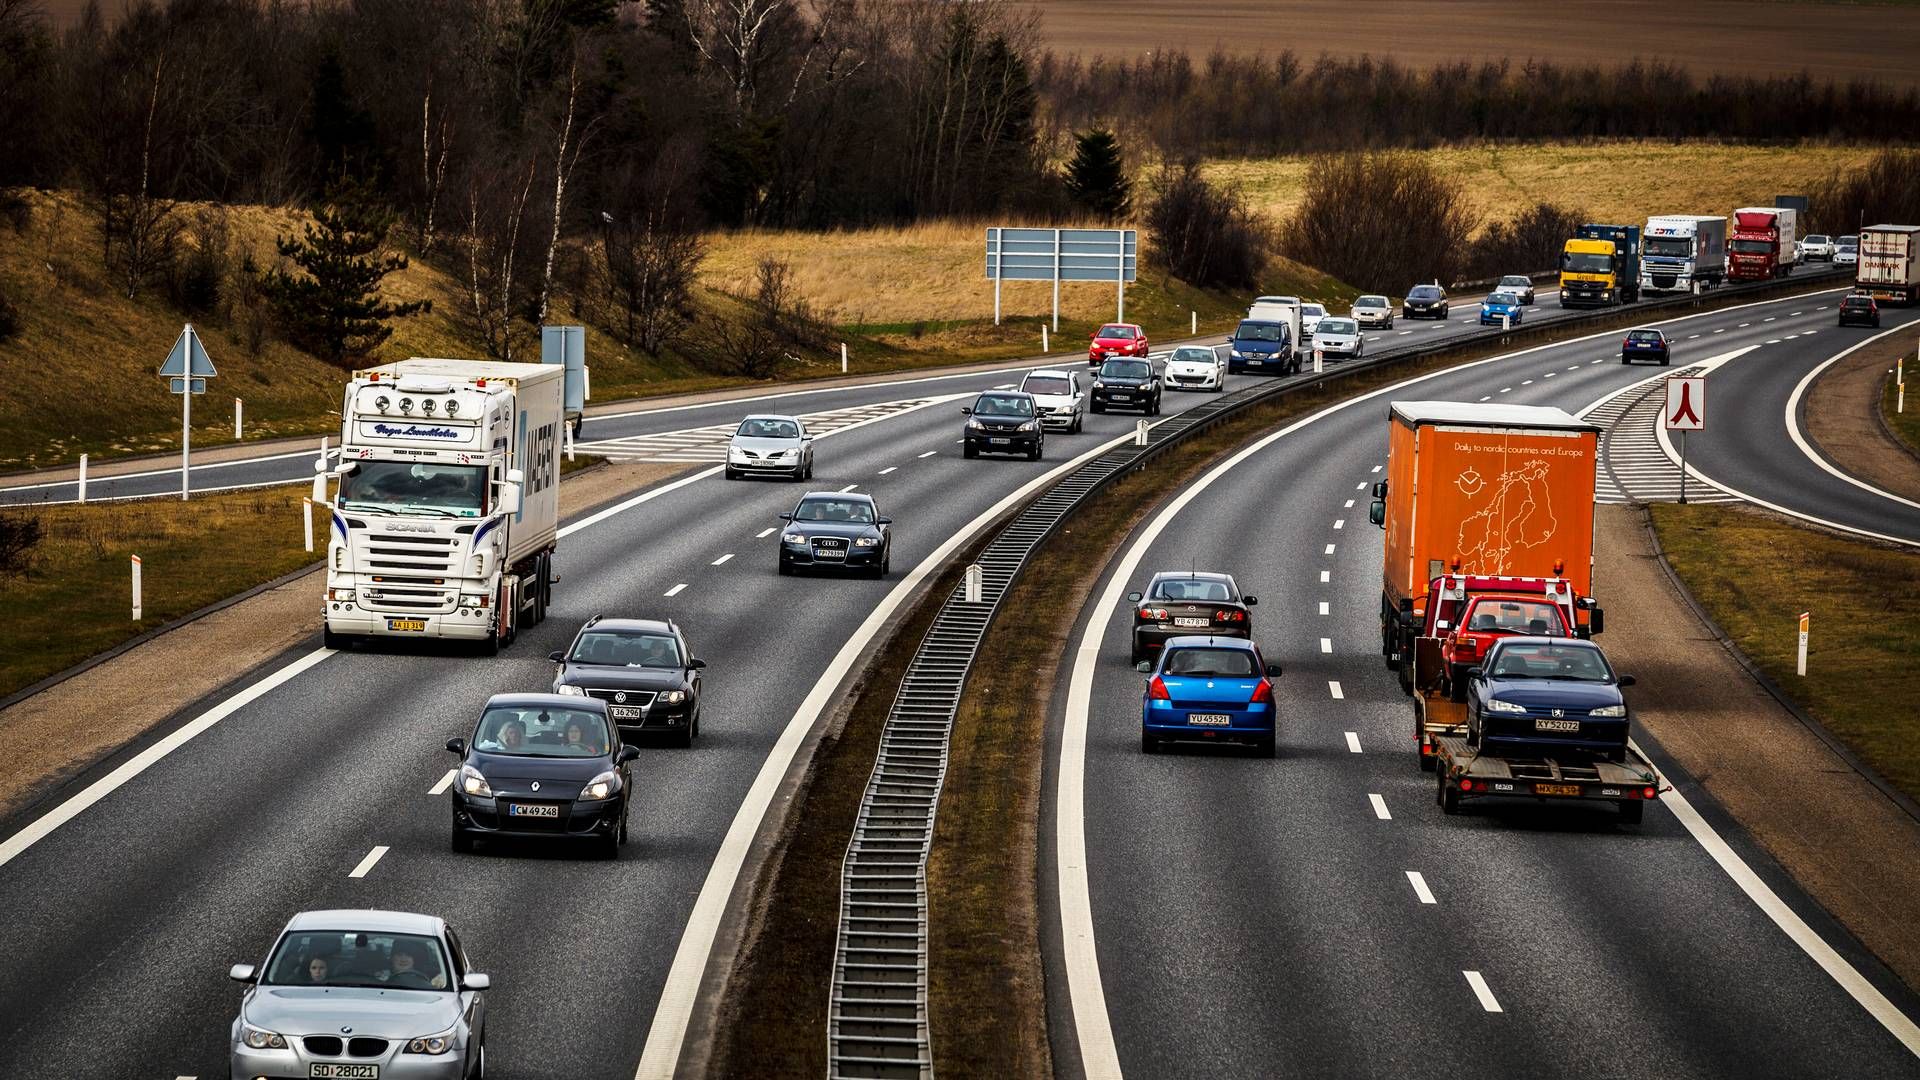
(401, 594)
(400, 551)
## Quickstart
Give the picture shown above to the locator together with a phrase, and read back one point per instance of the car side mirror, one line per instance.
(1273, 671)
(784, 517)
(1596, 621)
(806, 438)
(883, 521)
(1476, 674)
(625, 754)
(966, 410)
(458, 746)
(243, 973)
(1377, 513)
(1143, 667)
(1134, 596)
(696, 664)
(1251, 600)
(1626, 680)
(557, 656)
(1379, 489)
(475, 981)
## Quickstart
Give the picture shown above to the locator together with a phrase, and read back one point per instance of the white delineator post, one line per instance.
(1043, 338)
(1318, 363)
(136, 588)
(1899, 401)
(306, 517)
(1195, 328)
(83, 478)
(1805, 617)
(1506, 323)
(568, 429)
(236, 419)
(1140, 433)
(975, 580)
(843, 358)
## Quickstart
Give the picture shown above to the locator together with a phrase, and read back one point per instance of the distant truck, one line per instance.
(1890, 263)
(1763, 245)
(1482, 496)
(1600, 266)
(1683, 253)
(444, 518)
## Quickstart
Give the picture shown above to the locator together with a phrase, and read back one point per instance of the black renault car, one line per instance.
(1003, 422)
(1127, 384)
(1179, 603)
(642, 669)
(542, 767)
(836, 530)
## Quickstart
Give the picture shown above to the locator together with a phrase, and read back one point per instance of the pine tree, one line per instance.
(1096, 177)
(334, 309)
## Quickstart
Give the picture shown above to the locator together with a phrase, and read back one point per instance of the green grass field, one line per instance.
(1905, 424)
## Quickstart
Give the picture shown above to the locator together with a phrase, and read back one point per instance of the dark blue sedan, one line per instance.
(1501, 304)
(1209, 689)
(1645, 344)
(1547, 697)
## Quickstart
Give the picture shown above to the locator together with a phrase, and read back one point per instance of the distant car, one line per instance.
(642, 669)
(1339, 339)
(1849, 238)
(1859, 310)
(836, 530)
(1058, 397)
(1542, 697)
(1846, 254)
(386, 994)
(1210, 689)
(1310, 316)
(1373, 312)
(1645, 343)
(1196, 367)
(770, 445)
(1127, 384)
(1519, 285)
(1499, 304)
(1003, 422)
(1283, 301)
(1425, 302)
(542, 767)
(1117, 339)
(1263, 345)
(1817, 247)
(1188, 602)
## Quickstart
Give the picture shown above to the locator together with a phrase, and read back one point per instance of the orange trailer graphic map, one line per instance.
(1518, 513)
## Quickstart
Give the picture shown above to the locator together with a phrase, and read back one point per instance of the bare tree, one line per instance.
(566, 155)
(759, 343)
(494, 213)
(436, 144)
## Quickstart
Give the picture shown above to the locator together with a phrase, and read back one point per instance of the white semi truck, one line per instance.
(1683, 253)
(446, 503)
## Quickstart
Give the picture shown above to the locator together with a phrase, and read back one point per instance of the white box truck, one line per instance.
(1683, 253)
(1890, 263)
(447, 498)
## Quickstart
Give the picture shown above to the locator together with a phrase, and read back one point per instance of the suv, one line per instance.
(1425, 301)
(1127, 384)
(1116, 339)
(1003, 422)
(1058, 398)
(642, 669)
(1645, 344)
(1859, 310)
(1817, 247)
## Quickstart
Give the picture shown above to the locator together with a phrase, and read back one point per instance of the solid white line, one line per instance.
(1420, 889)
(1326, 645)
(930, 453)
(1329, 549)
(888, 469)
(1323, 607)
(99, 479)
(1353, 742)
(675, 591)
(445, 783)
(1379, 807)
(366, 864)
(722, 559)
(1481, 991)
(1806, 448)
(1340, 523)
(763, 534)
(1333, 687)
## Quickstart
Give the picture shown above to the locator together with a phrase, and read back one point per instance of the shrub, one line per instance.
(19, 535)
(1528, 244)
(196, 281)
(1097, 177)
(1886, 190)
(1380, 221)
(1204, 235)
(9, 317)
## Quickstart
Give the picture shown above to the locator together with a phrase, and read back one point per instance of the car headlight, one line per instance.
(261, 1038)
(671, 697)
(1031, 425)
(1496, 705)
(794, 538)
(866, 541)
(431, 1044)
(975, 425)
(1609, 710)
(473, 783)
(570, 690)
(1098, 385)
(600, 787)
(1238, 355)
(789, 453)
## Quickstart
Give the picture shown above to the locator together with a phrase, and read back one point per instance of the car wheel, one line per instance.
(969, 452)
(1264, 746)
(1034, 454)
(1449, 796)
(610, 847)
(1149, 744)
(1099, 408)
(1156, 406)
(684, 742)
(462, 843)
(1631, 811)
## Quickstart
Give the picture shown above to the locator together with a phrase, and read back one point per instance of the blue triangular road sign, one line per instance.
(188, 352)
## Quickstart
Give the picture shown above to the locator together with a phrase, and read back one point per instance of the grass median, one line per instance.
(1754, 573)
(1904, 423)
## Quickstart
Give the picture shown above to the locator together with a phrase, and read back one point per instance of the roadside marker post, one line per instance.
(1805, 617)
(83, 478)
(187, 368)
(306, 516)
(1194, 330)
(1318, 364)
(1140, 433)
(567, 434)
(1043, 337)
(236, 419)
(843, 358)
(976, 579)
(136, 588)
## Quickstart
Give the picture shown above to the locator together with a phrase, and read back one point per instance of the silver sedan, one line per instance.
(383, 995)
(770, 446)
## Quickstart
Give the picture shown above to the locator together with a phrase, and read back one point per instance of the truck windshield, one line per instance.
(1581, 262)
(1673, 247)
(1752, 247)
(459, 490)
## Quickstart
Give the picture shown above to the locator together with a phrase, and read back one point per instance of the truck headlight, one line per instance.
(1496, 705)
(261, 1038)
(1609, 711)
(600, 787)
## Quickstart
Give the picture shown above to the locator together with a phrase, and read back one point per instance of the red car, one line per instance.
(1491, 616)
(1116, 339)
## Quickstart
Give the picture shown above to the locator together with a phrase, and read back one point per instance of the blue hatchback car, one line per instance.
(1208, 689)
(1645, 343)
(1501, 303)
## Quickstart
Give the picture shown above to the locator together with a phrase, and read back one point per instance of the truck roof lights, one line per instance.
(383, 403)
(453, 406)
(406, 404)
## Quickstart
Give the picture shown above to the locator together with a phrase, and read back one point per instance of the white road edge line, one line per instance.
(1482, 991)
(445, 783)
(1379, 807)
(367, 864)
(1799, 439)
(1420, 889)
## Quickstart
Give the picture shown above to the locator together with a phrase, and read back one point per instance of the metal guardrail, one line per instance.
(877, 1024)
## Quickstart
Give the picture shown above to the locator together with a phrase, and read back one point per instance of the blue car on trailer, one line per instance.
(1208, 689)
(1501, 303)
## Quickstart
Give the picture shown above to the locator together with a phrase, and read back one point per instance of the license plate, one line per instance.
(1556, 789)
(1123, 397)
(625, 712)
(532, 810)
(830, 553)
(1200, 623)
(413, 626)
(352, 1072)
(1564, 726)
(1209, 719)
(998, 442)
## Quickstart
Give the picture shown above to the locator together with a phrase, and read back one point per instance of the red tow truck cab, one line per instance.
(1467, 613)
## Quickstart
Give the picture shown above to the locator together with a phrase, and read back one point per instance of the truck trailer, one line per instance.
(1683, 253)
(1762, 245)
(1600, 266)
(443, 521)
(1890, 263)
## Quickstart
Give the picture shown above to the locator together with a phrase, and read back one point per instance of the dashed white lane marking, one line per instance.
(1743, 326)
(675, 591)
(722, 559)
(1326, 576)
(1379, 807)
(1773, 341)
(1326, 644)
(1602, 360)
(888, 469)
(1323, 607)
(1526, 382)
(1362, 486)
(1376, 468)
(1506, 389)
(1822, 307)
(929, 453)
(763, 534)
(1575, 367)
(1549, 374)
(1333, 687)
(848, 488)
(1004, 386)
(1329, 549)
(1404, 333)
(1339, 523)
(1481, 991)
(1791, 314)
(1353, 742)
(1790, 337)
(1349, 505)
(1722, 330)
(1486, 397)
(1808, 333)
(1769, 318)
(445, 783)
(1690, 337)
(1420, 889)
(366, 864)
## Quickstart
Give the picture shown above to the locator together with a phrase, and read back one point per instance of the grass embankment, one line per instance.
(1905, 425)
(76, 600)
(1755, 573)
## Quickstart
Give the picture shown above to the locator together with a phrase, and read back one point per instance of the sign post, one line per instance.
(1058, 255)
(1805, 617)
(187, 368)
(1686, 410)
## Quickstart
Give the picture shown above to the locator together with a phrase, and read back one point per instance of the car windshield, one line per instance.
(1194, 356)
(1371, 302)
(1126, 369)
(1849, 247)
(1002, 405)
(1518, 281)
(397, 486)
(1196, 661)
(1514, 616)
(1645, 335)
(1046, 384)
(542, 731)
(1585, 262)
(855, 510)
(1330, 327)
(1539, 661)
(1312, 310)
(1506, 298)
(1259, 331)
(769, 429)
(1424, 292)
(1192, 589)
(375, 960)
(1117, 333)
(627, 648)
(1849, 240)
(1817, 238)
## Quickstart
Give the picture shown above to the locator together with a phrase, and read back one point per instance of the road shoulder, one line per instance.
(1843, 418)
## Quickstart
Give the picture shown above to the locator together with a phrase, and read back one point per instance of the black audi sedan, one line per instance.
(1545, 696)
(1127, 384)
(542, 767)
(836, 530)
(1183, 603)
(642, 669)
(1003, 422)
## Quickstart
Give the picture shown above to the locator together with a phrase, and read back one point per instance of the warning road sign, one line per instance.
(1686, 404)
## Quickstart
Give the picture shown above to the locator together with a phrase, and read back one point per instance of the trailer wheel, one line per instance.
(1631, 811)
(1427, 761)
(1449, 796)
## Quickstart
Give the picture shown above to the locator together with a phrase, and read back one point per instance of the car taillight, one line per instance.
(1263, 692)
(1154, 614)
(1625, 341)
(1466, 650)
(1157, 690)
(1224, 615)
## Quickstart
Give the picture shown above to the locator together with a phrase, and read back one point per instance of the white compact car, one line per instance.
(1310, 316)
(1058, 397)
(1373, 311)
(1519, 285)
(1339, 339)
(1197, 367)
(770, 445)
(1846, 254)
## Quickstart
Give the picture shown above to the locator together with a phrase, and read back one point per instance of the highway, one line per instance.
(1318, 913)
